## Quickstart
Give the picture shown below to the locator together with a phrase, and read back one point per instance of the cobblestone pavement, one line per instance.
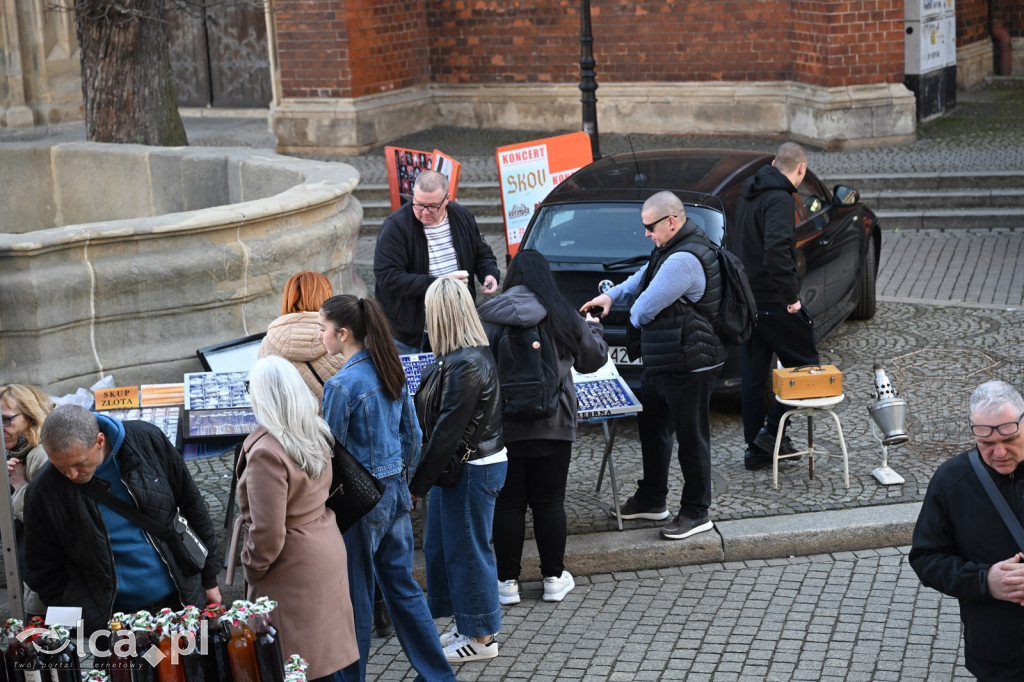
(854, 616)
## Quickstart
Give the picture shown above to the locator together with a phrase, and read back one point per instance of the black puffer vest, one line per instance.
(682, 337)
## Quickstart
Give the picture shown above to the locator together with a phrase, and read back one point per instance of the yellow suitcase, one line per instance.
(811, 381)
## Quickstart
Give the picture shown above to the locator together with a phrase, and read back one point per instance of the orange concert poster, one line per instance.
(529, 170)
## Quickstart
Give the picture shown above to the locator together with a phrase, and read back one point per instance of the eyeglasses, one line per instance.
(650, 226)
(430, 208)
(1007, 429)
(8, 420)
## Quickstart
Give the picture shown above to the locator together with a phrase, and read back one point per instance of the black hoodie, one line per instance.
(765, 224)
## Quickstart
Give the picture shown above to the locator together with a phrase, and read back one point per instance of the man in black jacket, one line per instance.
(673, 301)
(430, 237)
(963, 548)
(766, 243)
(81, 552)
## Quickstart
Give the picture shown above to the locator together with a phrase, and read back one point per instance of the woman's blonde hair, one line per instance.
(286, 408)
(305, 292)
(452, 321)
(32, 403)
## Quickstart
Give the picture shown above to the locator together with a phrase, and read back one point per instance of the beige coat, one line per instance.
(294, 338)
(294, 554)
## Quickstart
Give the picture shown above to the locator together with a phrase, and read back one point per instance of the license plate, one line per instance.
(618, 355)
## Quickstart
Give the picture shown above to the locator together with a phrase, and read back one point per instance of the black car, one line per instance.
(589, 229)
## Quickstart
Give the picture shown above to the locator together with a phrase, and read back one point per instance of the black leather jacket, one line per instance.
(458, 405)
(67, 548)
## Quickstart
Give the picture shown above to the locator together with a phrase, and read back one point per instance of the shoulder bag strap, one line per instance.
(315, 375)
(95, 490)
(997, 499)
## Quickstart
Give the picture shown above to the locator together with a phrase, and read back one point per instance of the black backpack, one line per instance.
(737, 311)
(527, 373)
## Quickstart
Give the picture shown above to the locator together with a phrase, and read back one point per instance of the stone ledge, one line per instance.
(136, 294)
(831, 118)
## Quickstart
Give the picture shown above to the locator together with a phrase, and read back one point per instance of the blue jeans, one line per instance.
(462, 576)
(381, 545)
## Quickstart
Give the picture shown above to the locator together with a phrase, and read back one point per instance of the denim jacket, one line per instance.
(380, 432)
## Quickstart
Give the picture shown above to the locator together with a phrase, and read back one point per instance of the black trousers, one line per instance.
(537, 483)
(791, 337)
(676, 409)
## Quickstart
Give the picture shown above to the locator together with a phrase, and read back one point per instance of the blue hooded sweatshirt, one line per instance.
(142, 576)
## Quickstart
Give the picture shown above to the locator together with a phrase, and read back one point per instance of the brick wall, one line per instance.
(361, 47)
(971, 21)
(847, 43)
(350, 49)
(669, 40)
(1013, 17)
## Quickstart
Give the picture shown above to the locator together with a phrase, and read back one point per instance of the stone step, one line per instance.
(950, 219)
(959, 198)
(928, 181)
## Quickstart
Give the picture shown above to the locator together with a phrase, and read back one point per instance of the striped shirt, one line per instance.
(440, 249)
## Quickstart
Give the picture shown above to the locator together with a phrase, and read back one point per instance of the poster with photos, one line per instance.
(204, 424)
(166, 418)
(215, 390)
(404, 165)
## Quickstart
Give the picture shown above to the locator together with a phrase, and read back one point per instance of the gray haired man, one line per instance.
(963, 548)
(83, 552)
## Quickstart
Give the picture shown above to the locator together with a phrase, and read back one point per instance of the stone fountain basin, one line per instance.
(125, 259)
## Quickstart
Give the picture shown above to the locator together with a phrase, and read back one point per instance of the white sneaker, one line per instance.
(508, 591)
(465, 649)
(555, 589)
(449, 637)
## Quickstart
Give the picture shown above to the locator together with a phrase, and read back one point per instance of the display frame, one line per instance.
(215, 358)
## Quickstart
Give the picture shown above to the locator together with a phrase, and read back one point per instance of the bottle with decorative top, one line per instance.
(15, 650)
(168, 669)
(30, 667)
(295, 668)
(241, 649)
(216, 662)
(145, 639)
(119, 665)
(60, 662)
(96, 676)
(188, 624)
(269, 656)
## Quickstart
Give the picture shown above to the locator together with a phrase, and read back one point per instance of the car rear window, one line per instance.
(604, 231)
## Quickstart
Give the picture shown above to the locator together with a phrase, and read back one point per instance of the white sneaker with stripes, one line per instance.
(449, 637)
(465, 649)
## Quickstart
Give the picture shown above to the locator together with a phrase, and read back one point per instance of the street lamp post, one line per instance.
(588, 83)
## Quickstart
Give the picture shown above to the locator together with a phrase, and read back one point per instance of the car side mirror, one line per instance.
(845, 196)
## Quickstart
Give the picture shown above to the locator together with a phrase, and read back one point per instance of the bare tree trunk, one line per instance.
(126, 73)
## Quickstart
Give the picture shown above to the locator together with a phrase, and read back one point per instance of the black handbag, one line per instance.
(188, 550)
(354, 490)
